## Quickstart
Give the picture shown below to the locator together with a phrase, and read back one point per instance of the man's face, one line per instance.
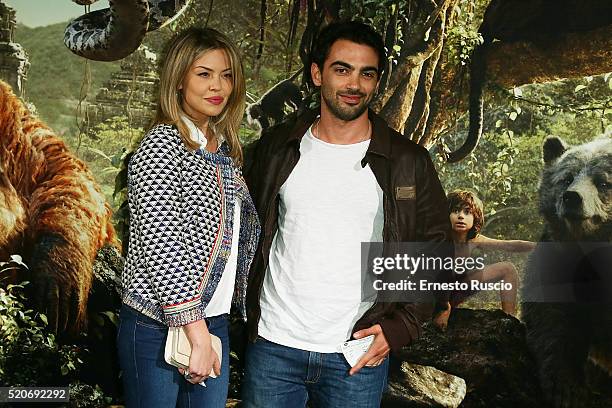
(348, 79)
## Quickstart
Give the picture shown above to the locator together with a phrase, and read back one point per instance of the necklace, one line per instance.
(366, 136)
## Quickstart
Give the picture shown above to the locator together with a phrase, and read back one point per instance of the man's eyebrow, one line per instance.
(349, 66)
(343, 64)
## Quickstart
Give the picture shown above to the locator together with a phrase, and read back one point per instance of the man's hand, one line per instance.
(378, 351)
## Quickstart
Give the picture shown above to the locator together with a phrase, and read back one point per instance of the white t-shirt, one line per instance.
(311, 295)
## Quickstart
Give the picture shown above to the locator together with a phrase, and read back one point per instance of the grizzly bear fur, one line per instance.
(567, 291)
(52, 212)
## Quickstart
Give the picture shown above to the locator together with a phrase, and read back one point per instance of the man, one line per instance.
(322, 185)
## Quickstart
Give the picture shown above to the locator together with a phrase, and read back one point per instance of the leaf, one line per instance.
(112, 317)
(498, 123)
(579, 87)
(517, 92)
(606, 76)
(513, 115)
(99, 153)
(44, 319)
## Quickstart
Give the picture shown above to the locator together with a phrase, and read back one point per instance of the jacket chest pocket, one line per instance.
(404, 203)
(405, 193)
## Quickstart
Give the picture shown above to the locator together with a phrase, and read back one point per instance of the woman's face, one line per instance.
(207, 85)
(461, 220)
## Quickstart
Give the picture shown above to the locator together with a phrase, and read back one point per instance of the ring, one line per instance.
(187, 375)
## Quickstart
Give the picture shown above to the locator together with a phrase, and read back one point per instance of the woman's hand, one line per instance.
(203, 358)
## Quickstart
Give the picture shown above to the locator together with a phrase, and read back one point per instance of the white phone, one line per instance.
(353, 350)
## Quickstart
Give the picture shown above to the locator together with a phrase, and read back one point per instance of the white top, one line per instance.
(311, 295)
(197, 135)
(221, 300)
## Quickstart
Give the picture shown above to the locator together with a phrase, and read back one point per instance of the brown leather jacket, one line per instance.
(414, 207)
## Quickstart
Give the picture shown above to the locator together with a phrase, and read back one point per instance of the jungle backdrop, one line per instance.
(102, 109)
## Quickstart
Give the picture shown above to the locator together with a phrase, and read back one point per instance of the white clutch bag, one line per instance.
(178, 348)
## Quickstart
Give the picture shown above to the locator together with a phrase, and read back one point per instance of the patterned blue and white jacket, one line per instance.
(181, 219)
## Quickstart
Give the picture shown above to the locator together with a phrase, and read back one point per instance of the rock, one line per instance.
(487, 349)
(415, 385)
(106, 289)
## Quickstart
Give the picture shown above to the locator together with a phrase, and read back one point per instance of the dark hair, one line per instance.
(354, 31)
(465, 199)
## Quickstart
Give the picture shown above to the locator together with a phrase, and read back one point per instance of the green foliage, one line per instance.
(86, 396)
(29, 355)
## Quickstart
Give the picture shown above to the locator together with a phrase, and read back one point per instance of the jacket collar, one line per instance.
(380, 143)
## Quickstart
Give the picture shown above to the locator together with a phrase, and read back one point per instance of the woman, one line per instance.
(193, 227)
(466, 218)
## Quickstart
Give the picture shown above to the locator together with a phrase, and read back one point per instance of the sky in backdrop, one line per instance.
(36, 13)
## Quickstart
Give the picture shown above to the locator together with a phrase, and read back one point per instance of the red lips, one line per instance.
(215, 100)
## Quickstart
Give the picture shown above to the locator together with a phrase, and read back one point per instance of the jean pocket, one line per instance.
(151, 324)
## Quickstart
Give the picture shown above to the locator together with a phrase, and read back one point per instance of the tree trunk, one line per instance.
(407, 100)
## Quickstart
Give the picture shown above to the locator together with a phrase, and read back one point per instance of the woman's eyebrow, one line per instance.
(210, 69)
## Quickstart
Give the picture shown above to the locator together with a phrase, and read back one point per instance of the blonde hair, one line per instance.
(185, 48)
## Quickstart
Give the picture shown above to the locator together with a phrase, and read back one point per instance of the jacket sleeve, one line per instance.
(403, 324)
(256, 168)
(155, 189)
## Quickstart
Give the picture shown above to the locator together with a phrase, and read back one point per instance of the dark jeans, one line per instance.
(278, 376)
(149, 381)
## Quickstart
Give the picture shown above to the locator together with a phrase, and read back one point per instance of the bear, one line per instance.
(567, 291)
(52, 213)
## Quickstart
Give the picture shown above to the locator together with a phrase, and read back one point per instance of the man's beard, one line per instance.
(342, 111)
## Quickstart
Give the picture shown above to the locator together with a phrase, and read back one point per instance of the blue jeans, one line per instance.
(148, 381)
(277, 376)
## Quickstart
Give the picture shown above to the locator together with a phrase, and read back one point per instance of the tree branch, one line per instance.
(407, 64)
(210, 7)
(427, 81)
